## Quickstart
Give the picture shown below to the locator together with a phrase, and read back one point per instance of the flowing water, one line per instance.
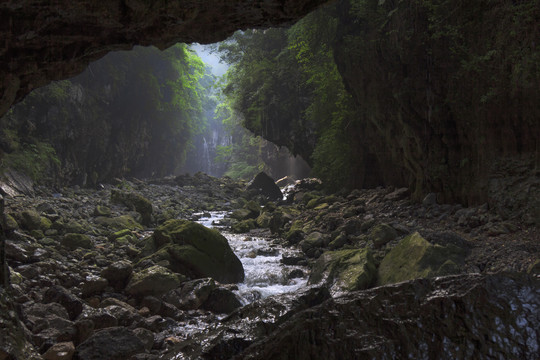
(265, 274)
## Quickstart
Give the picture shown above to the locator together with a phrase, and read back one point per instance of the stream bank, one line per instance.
(72, 291)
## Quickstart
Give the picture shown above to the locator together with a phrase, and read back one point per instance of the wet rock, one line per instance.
(295, 274)
(265, 185)
(246, 325)
(100, 318)
(135, 202)
(192, 294)
(344, 270)
(60, 351)
(293, 260)
(196, 251)
(221, 301)
(61, 295)
(455, 317)
(414, 257)
(115, 343)
(153, 281)
(75, 241)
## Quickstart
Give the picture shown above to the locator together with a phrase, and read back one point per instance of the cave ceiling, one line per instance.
(43, 41)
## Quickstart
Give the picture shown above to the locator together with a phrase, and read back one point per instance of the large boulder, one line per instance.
(415, 257)
(196, 251)
(455, 317)
(264, 185)
(344, 270)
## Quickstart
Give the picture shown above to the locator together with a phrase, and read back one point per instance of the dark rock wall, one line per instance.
(444, 89)
(44, 41)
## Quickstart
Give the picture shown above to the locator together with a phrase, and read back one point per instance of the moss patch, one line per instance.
(414, 257)
(197, 251)
(345, 270)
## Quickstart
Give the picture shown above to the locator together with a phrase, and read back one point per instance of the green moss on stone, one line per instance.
(76, 241)
(155, 280)
(135, 202)
(45, 223)
(345, 270)
(198, 250)
(11, 223)
(244, 226)
(414, 257)
(119, 223)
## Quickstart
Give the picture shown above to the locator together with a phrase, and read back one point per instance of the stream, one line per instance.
(265, 273)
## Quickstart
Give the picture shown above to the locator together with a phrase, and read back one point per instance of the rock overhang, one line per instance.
(43, 42)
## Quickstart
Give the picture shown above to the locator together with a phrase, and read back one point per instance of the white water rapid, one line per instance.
(265, 274)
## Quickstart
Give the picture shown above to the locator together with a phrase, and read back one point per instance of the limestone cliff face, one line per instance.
(448, 92)
(44, 41)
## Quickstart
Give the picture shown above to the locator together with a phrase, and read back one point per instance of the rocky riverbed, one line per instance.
(125, 271)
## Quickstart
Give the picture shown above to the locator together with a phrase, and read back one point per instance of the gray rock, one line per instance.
(61, 295)
(118, 272)
(264, 185)
(117, 343)
(93, 285)
(412, 320)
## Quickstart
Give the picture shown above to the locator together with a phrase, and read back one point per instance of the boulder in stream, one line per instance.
(195, 251)
(264, 185)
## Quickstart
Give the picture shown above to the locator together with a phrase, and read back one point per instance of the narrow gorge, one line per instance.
(350, 179)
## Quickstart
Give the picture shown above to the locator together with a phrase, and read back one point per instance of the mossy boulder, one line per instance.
(414, 257)
(345, 270)
(154, 280)
(45, 223)
(11, 223)
(77, 227)
(244, 226)
(251, 210)
(197, 251)
(382, 234)
(119, 223)
(75, 241)
(263, 221)
(30, 220)
(135, 202)
(312, 242)
(102, 210)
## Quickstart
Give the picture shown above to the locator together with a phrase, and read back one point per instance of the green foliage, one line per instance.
(285, 84)
(243, 154)
(130, 114)
(35, 160)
